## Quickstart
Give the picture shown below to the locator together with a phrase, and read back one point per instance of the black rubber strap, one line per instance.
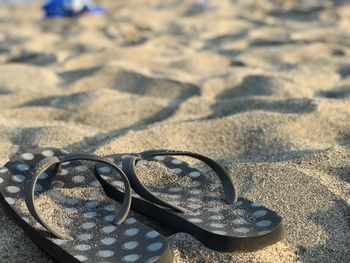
(107, 187)
(129, 164)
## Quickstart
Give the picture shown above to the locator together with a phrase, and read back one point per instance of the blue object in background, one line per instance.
(71, 8)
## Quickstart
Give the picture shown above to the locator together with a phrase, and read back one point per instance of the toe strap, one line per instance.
(129, 163)
(110, 191)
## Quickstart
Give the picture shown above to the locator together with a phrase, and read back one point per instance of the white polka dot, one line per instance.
(255, 205)
(47, 153)
(106, 177)
(260, 213)
(195, 184)
(217, 217)
(219, 232)
(108, 229)
(194, 199)
(152, 234)
(71, 209)
(195, 220)
(239, 203)
(214, 209)
(175, 189)
(264, 223)
(83, 247)
(108, 241)
(212, 194)
(38, 188)
(64, 172)
(155, 246)
(239, 212)
(194, 206)
(130, 245)
(130, 221)
(59, 241)
(152, 260)
(72, 201)
(131, 258)
(88, 225)
(22, 167)
(80, 258)
(176, 161)
(18, 178)
(43, 176)
(27, 156)
(105, 253)
(3, 170)
(159, 158)
(242, 230)
(104, 170)
(195, 192)
(110, 207)
(197, 213)
(95, 183)
(131, 232)
(84, 237)
(194, 174)
(12, 189)
(217, 225)
(78, 179)
(215, 186)
(10, 200)
(90, 214)
(177, 170)
(92, 204)
(239, 221)
(81, 168)
(109, 218)
(173, 196)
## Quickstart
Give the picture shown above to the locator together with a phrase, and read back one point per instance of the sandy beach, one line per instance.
(263, 87)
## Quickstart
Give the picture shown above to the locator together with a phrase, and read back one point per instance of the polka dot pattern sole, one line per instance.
(245, 225)
(95, 238)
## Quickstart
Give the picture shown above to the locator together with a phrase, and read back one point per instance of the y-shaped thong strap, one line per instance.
(107, 187)
(129, 163)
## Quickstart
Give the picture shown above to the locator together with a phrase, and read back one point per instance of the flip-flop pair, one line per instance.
(92, 224)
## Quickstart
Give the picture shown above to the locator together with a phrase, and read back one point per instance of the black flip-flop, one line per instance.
(99, 232)
(208, 210)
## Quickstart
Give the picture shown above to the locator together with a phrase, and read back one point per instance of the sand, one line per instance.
(154, 174)
(263, 87)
